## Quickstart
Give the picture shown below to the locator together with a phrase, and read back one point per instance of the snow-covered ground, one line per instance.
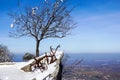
(12, 71)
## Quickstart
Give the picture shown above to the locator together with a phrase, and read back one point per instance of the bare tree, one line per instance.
(5, 55)
(49, 20)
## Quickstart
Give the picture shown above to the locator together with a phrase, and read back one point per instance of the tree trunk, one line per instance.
(37, 48)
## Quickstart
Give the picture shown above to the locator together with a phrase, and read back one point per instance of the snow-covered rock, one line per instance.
(12, 71)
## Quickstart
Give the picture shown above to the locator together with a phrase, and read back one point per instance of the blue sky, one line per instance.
(98, 28)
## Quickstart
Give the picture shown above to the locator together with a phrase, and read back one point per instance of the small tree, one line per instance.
(50, 20)
(28, 56)
(5, 55)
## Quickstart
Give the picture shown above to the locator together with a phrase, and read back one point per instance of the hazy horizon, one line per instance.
(84, 56)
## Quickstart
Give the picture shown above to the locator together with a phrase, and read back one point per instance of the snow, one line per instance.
(14, 21)
(12, 25)
(12, 71)
(34, 9)
(61, 0)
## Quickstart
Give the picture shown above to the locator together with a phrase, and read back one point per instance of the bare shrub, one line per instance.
(5, 55)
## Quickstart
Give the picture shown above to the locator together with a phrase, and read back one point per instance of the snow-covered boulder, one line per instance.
(13, 71)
